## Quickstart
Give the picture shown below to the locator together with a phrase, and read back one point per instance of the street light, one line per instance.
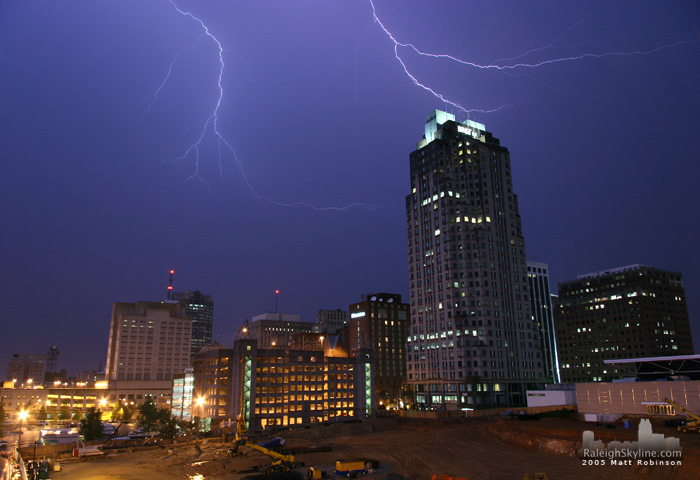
(22, 416)
(200, 406)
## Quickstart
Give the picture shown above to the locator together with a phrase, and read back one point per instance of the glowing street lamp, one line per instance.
(22, 416)
(200, 408)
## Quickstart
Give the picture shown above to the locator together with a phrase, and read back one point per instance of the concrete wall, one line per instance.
(545, 398)
(487, 412)
(630, 398)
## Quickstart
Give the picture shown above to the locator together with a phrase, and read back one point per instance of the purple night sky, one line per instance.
(97, 208)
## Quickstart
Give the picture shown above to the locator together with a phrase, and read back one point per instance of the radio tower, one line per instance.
(170, 285)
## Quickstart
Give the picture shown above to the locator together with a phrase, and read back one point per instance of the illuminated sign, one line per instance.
(357, 315)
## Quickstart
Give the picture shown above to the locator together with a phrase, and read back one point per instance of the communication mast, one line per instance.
(170, 285)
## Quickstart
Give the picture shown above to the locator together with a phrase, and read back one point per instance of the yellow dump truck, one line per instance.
(350, 468)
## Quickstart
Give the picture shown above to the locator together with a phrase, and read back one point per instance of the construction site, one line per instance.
(395, 449)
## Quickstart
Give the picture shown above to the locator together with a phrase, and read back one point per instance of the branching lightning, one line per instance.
(504, 68)
(211, 126)
(154, 95)
(510, 66)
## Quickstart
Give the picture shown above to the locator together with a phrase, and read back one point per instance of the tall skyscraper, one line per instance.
(628, 312)
(542, 313)
(148, 341)
(200, 308)
(472, 340)
(380, 321)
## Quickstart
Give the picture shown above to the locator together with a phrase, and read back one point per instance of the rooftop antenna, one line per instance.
(170, 285)
(243, 330)
(277, 294)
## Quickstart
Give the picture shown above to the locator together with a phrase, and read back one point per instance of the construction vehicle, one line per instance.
(280, 463)
(691, 425)
(538, 476)
(350, 469)
(317, 474)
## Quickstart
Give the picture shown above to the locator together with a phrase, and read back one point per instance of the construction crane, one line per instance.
(691, 426)
(280, 462)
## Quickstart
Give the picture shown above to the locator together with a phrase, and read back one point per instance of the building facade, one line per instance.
(380, 321)
(331, 321)
(212, 383)
(278, 387)
(200, 308)
(472, 340)
(274, 329)
(26, 368)
(62, 402)
(628, 312)
(182, 402)
(148, 341)
(543, 315)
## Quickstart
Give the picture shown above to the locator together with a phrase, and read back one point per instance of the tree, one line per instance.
(122, 413)
(42, 415)
(91, 425)
(64, 412)
(167, 425)
(148, 415)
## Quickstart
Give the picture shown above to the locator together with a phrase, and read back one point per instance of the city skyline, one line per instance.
(99, 209)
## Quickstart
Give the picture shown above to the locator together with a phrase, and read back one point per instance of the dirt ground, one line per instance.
(415, 450)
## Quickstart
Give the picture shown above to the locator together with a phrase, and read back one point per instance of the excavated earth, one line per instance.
(414, 450)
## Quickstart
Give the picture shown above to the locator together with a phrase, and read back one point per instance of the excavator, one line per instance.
(690, 426)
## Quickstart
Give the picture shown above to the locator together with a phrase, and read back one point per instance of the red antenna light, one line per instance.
(170, 285)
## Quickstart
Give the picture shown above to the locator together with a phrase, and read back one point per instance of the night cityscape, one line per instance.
(246, 222)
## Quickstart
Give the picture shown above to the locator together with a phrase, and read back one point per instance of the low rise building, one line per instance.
(26, 369)
(274, 329)
(285, 387)
(212, 378)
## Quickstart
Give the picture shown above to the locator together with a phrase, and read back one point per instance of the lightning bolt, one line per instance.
(211, 126)
(154, 95)
(503, 68)
(19, 64)
(508, 66)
